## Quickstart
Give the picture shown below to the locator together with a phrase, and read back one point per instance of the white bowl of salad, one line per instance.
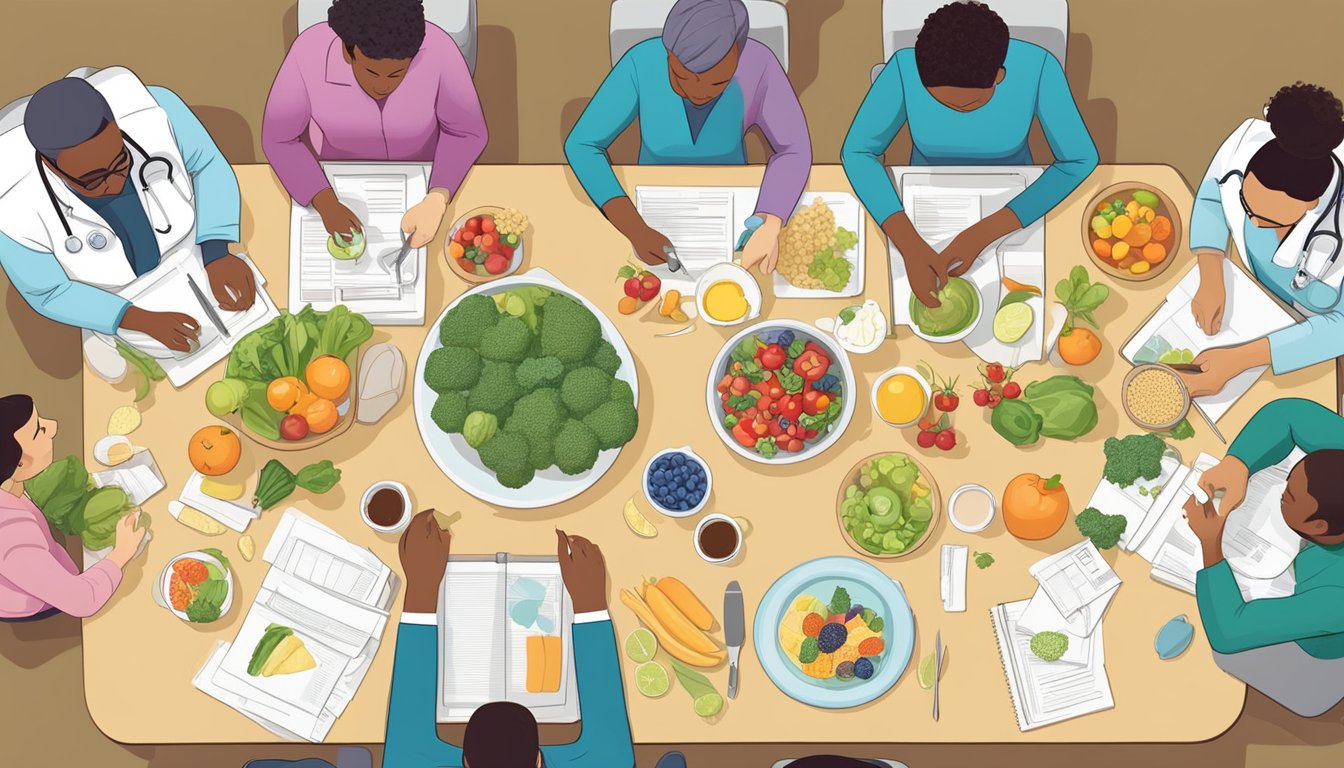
(860, 328)
(780, 392)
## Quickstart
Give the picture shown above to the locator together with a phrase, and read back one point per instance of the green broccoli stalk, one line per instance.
(1049, 646)
(1104, 530)
(1133, 457)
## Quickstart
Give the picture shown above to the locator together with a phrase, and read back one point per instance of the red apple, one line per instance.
(293, 427)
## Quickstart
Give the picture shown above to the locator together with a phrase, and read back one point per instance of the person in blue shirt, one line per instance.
(968, 94)
(113, 180)
(503, 734)
(1271, 183)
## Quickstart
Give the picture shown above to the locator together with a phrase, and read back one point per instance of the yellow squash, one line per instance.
(669, 643)
(676, 622)
(686, 602)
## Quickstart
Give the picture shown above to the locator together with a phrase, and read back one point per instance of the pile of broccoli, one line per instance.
(1133, 457)
(1104, 530)
(527, 379)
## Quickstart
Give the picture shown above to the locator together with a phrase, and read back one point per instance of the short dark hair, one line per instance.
(1308, 123)
(1325, 484)
(962, 44)
(501, 734)
(15, 411)
(64, 114)
(381, 29)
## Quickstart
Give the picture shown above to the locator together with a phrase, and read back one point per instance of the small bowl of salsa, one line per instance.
(386, 507)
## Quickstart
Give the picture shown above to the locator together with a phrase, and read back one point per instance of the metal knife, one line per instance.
(937, 669)
(734, 631)
(208, 307)
(401, 256)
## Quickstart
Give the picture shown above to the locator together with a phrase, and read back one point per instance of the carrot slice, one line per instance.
(1013, 285)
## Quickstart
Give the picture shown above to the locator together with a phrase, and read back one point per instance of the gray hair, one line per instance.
(64, 114)
(701, 32)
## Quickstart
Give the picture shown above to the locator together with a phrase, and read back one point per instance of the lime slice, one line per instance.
(640, 645)
(709, 705)
(637, 521)
(926, 668)
(651, 679)
(1012, 322)
(514, 305)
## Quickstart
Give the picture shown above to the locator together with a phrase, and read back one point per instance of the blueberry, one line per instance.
(678, 459)
(831, 637)
(681, 493)
(863, 668)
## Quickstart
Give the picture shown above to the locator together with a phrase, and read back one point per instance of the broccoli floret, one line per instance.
(840, 602)
(568, 330)
(508, 340)
(614, 423)
(464, 324)
(452, 369)
(622, 392)
(506, 455)
(538, 417)
(1132, 457)
(1049, 646)
(604, 356)
(584, 389)
(983, 560)
(536, 372)
(1104, 530)
(496, 391)
(575, 448)
(450, 412)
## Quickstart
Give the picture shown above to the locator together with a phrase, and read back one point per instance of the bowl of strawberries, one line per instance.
(487, 243)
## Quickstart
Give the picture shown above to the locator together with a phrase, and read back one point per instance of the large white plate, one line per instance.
(462, 464)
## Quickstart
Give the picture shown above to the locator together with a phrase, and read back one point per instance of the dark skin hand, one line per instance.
(336, 218)
(584, 571)
(232, 282)
(928, 270)
(647, 242)
(423, 550)
(173, 330)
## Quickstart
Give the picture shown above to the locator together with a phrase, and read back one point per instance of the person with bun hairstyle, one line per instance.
(1274, 188)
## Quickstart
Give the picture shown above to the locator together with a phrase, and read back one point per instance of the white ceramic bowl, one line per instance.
(848, 390)
(898, 370)
(959, 335)
(877, 342)
(971, 527)
(163, 594)
(648, 492)
(407, 511)
(733, 273)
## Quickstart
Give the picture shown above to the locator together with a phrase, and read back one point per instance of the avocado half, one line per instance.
(346, 248)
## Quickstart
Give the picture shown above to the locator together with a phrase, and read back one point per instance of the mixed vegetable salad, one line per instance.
(889, 505)
(839, 639)
(778, 392)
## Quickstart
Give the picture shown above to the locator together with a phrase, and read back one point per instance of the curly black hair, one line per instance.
(381, 29)
(962, 44)
(1308, 123)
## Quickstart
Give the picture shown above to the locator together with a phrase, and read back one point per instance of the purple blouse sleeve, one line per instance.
(462, 131)
(772, 104)
(285, 124)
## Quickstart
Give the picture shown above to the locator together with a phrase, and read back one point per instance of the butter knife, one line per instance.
(734, 631)
(937, 669)
(208, 307)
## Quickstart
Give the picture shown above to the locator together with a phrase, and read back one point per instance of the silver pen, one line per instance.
(208, 307)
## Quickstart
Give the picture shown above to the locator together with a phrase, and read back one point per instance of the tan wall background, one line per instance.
(1158, 81)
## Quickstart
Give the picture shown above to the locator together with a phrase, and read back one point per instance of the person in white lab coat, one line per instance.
(107, 181)
(1274, 187)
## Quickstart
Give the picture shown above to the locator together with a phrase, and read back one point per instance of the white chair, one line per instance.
(888, 763)
(456, 17)
(634, 21)
(1041, 22)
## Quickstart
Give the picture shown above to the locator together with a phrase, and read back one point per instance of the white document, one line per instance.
(379, 194)
(1256, 541)
(1142, 502)
(1249, 313)
(488, 609)
(166, 289)
(1046, 692)
(940, 214)
(1042, 616)
(138, 476)
(229, 514)
(953, 581)
(1076, 578)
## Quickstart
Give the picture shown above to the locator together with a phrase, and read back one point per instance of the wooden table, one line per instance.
(139, 659)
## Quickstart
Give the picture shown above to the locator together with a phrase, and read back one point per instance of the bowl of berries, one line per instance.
(677, 482)
(487, 243)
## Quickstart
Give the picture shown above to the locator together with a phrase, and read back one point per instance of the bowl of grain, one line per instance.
(1155, 397)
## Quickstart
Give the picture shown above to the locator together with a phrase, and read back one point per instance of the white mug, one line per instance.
(741, 526)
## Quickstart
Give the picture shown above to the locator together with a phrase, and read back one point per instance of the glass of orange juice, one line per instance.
(901, 396)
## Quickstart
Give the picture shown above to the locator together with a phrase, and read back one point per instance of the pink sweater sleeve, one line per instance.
(28, 563)
(462, 132)
(284, 125)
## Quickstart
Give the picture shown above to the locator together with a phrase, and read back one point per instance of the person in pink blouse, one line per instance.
(37, 576)
(376, 82)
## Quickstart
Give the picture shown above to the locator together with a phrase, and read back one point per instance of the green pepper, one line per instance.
(274, 484)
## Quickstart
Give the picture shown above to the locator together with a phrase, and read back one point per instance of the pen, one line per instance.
(208, 307)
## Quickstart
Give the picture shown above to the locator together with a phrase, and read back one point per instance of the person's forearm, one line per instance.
(1282, 425)
(1001, 223)
(623, 215)
(1212, 548)
(901, 231)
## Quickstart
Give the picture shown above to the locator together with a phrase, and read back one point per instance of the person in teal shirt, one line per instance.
(503, 733)
(1271, 183)
(1289, 648)
(968, 94)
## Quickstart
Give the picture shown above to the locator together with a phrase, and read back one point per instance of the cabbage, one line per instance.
(1065, 405)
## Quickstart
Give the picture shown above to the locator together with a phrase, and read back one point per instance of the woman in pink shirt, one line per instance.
(376, 82)
(37, 576)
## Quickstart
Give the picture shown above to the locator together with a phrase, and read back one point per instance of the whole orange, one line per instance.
(320, 414)
(284, 392)
(1079, 346)
(1034, 507)
(214, 450)
(328, 377)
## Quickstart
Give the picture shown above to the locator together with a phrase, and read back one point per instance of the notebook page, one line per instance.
(537, 607)
(313, 552)
(698, 221)
(1256, 540)
(472, 670)
(1048, 692)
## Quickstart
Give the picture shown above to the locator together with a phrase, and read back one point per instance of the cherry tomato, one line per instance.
(775, 429)
(1012, 390)
(980, 397)
(791, 407)
(994, 372)
(995, 399)
(945, 440)
(795, 445)
(631, 287)
(926, 438)
(487, 224)
(740, 385)
(808, 434)
(772, 356)
(946, 401)
(815, 402)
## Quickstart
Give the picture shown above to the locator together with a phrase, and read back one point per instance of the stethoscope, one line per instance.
(97, 239)
(1301, 277)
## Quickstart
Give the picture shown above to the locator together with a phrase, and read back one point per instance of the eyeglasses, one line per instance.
(120, 166)
(1241, 193)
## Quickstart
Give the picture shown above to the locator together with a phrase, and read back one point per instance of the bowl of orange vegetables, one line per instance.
(1131, 231)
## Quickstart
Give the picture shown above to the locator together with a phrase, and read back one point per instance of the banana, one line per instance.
(676, 623)
(686, 602)
(669, 643)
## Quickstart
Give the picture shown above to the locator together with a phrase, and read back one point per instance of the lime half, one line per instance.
(641, 645)
(926, 670)
(1012, 322)
(651, 679)
(709, 705)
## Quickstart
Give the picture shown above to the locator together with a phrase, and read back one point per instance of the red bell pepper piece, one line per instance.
(811, 365)
(791, 407)
(815, 402)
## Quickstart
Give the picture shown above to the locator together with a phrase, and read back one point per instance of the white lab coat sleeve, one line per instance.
(1208, 222)
(1314, 340)
(42, 282)
(218, 204)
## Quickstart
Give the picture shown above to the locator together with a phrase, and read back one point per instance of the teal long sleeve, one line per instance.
(879, 119)
(610, 112)
(1234, 624)
(1282, 425)
(42, 282)
(411, 735)
(1075, 154)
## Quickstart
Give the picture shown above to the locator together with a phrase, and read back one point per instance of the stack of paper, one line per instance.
(230, 514)
(138, 476)
(333, 597)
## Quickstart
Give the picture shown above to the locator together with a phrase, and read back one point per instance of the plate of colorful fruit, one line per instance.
(487, 243)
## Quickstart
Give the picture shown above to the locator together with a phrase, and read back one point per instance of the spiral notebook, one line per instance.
(1047, 692)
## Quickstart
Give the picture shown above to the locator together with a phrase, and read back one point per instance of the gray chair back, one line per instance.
(1040, 22)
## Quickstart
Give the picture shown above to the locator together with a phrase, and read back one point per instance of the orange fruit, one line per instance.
(284, 392)
(1161, 228)
(328, 377)
(1154, 253)
(214, 450)
(303, 402)
(1102, 248)
(320, 413)
(1139, 235)
(1079, 346)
